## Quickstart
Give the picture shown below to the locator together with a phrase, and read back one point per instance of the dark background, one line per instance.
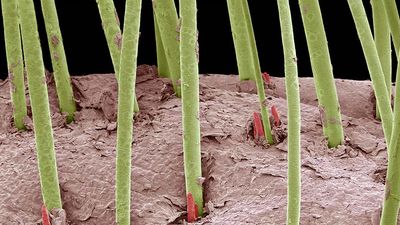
(87, 51)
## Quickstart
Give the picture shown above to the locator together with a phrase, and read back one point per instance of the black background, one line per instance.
(87, 51)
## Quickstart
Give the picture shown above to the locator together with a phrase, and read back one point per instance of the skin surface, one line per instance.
(14, 61)
(40, 106)
(322, 71)
(190, 101)
(294, 120)
(58, 59)
(126, 96)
